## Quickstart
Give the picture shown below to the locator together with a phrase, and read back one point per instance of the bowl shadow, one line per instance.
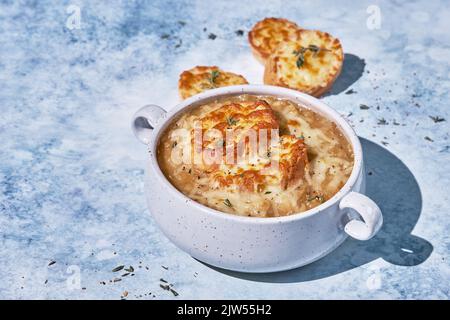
(393, 187)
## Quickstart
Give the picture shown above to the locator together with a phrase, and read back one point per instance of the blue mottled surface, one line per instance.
(71, 172)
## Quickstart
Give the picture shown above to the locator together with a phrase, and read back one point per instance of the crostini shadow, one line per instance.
(352, 70)
(394, 188)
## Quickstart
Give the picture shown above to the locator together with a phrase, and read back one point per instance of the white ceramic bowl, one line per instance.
(252, 244)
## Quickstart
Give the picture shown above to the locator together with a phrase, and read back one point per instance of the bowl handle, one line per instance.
(144, 120)
(369, 212)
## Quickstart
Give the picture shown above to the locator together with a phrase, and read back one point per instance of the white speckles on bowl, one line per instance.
(255, 244)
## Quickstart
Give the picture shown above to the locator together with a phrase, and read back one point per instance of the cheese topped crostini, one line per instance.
(202, 78)
(267, 35)
(310, 64)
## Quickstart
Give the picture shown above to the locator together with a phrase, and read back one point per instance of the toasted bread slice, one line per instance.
(287, 171)
(203, 78)
(293, 160)
(242, 116)
(267, 35)
(237, 122)
(257, 166)
(311, 64)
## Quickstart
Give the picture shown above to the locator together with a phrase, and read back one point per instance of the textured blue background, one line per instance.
(71, 172)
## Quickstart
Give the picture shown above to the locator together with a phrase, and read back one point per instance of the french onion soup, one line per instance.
(256, 156)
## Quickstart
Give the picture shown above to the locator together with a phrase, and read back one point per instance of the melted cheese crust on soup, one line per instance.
(304, 162)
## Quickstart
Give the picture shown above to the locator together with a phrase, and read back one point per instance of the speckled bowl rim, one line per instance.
(280, 92)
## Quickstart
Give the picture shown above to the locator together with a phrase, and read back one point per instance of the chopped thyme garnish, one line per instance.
(213, 77)
(130, 269)
(315, 197)
(165, 286)
(300, 54)
(227, 203)
(231, 121)
(117, 268)
(268, 192)
(300, 60)
(382, 121)
(436, 119)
